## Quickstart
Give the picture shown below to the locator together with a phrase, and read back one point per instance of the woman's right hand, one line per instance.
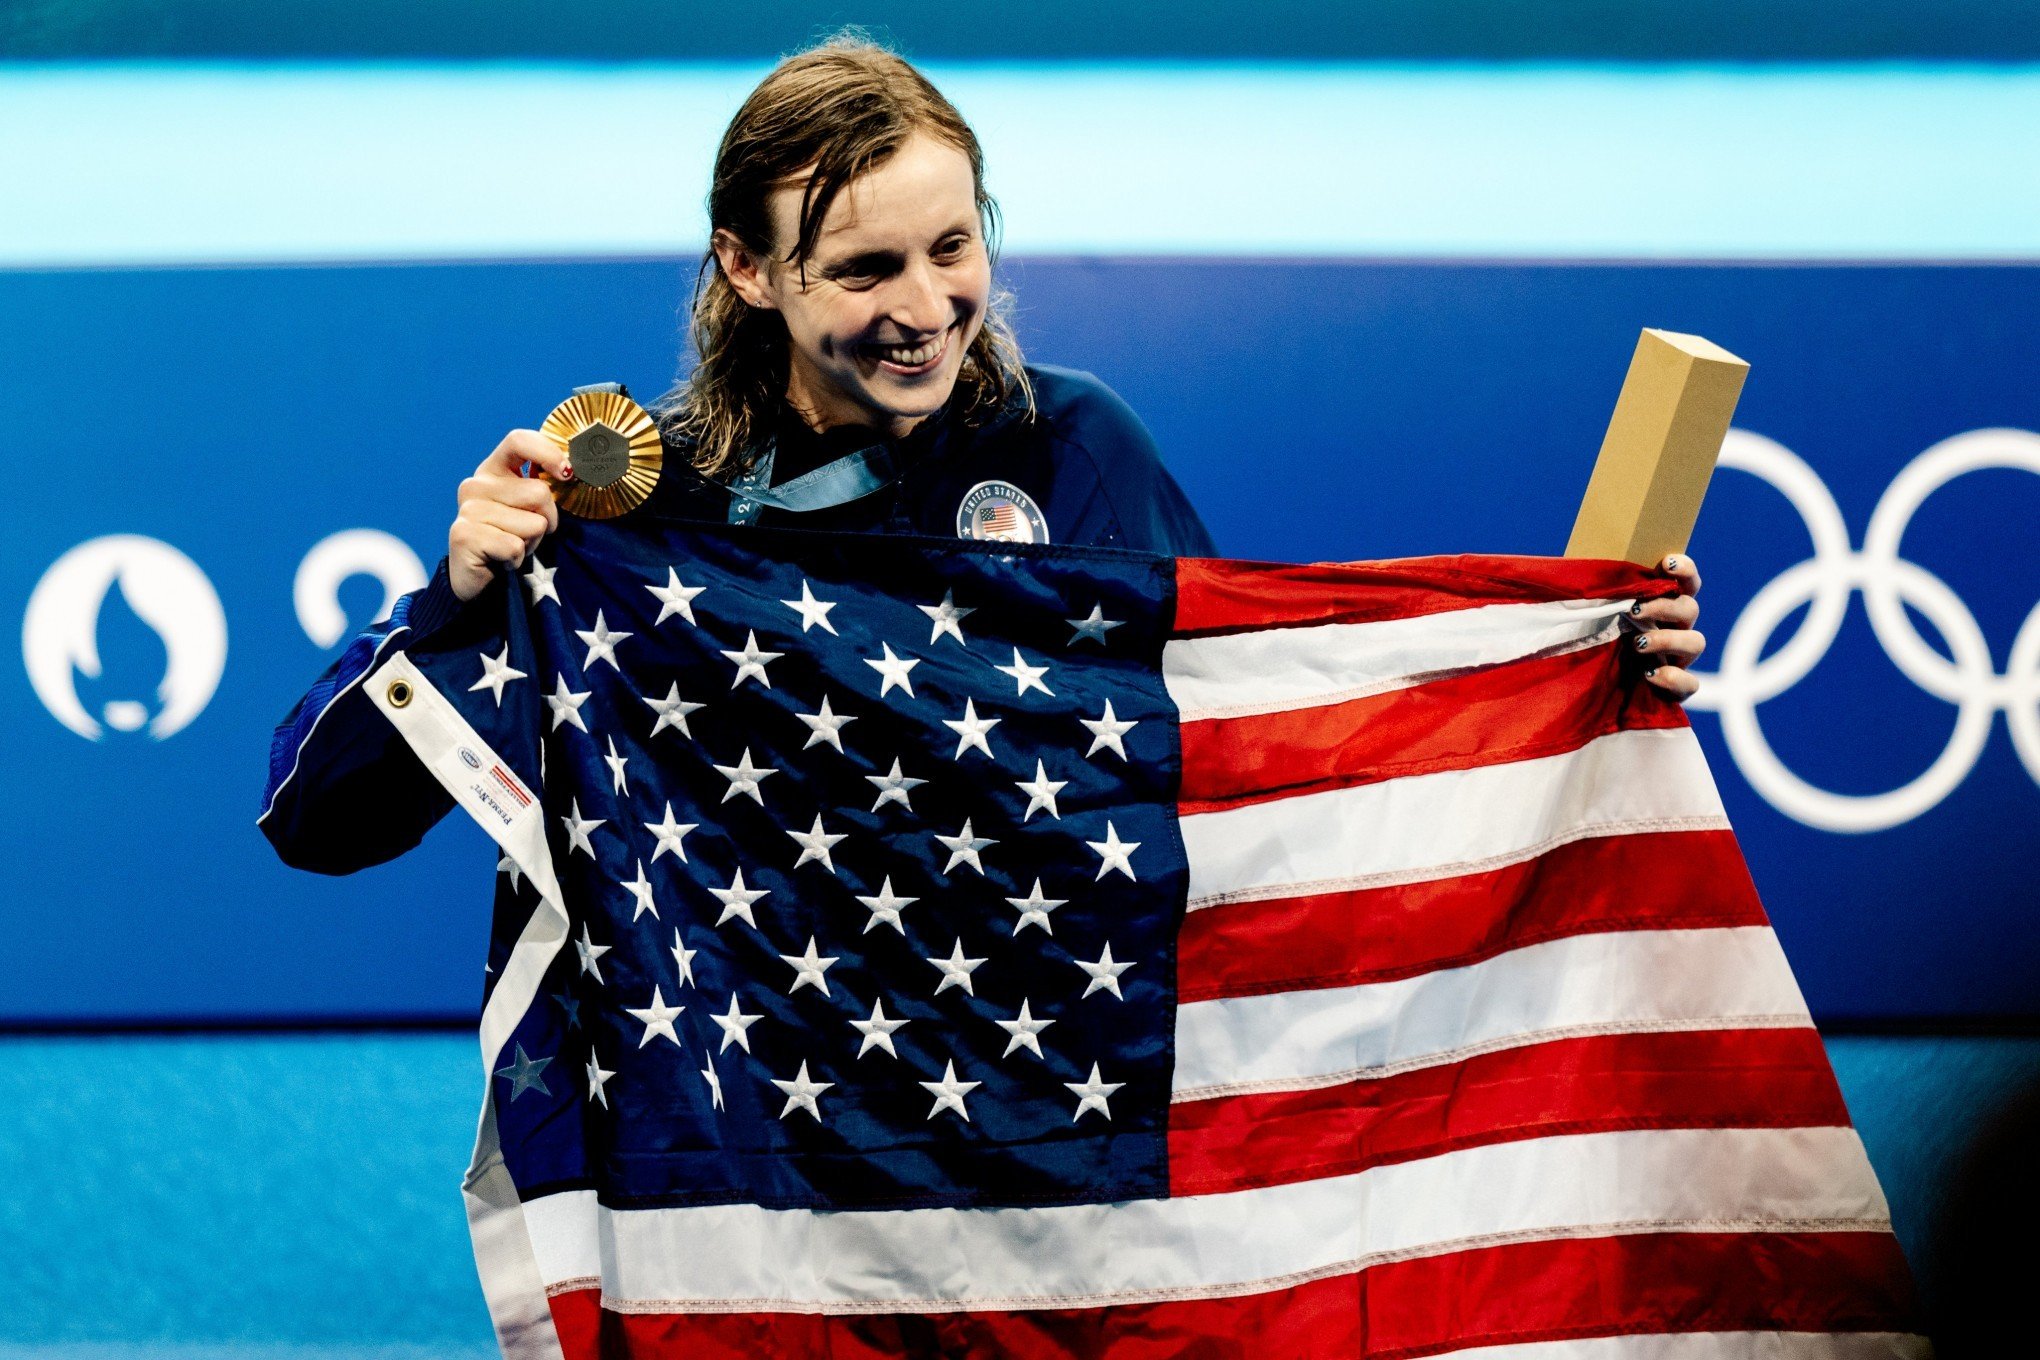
(503, 513)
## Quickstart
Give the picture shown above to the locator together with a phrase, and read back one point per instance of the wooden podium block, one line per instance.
(1660, 448)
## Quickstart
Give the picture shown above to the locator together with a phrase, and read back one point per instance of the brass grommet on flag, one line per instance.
(399, 693)
(614, 446)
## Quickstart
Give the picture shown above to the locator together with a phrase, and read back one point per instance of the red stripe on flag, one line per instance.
(1714, 1079)
(1649, 1283)
(1662, 880)
(1215, 595)
(578, 1318)
(509, 782)
(1538, 707)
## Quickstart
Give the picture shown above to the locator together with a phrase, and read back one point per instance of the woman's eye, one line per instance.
(953, 248)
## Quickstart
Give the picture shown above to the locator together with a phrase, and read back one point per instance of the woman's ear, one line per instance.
(742, 267)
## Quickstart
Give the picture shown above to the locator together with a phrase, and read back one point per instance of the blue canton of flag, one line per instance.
(869, 869)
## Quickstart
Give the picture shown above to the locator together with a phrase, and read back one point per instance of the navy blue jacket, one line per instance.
(344, 790)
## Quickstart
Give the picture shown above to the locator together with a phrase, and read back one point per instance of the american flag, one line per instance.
(916, 947)
(998, 521)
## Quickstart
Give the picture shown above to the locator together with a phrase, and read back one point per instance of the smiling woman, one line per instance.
(850, 269)
(847, 319)
(849, 338)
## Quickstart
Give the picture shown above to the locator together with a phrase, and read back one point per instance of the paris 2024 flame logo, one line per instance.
(123, 585)
(156, 584)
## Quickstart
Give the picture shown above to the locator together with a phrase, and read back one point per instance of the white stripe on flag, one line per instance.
(1453, 822)
(1619, 982)
(741, 1257)
(1716, 1346)
(1269, 670)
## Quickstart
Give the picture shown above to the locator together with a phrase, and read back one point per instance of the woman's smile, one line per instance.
(913, 361)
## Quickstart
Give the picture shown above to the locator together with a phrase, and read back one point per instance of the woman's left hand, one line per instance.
(1666, 636)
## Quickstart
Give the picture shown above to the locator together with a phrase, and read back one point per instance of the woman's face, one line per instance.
(896, 289)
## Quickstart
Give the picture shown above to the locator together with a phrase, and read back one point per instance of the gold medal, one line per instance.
(614, 446)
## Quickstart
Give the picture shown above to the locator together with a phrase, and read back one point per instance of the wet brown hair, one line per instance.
(842, 107)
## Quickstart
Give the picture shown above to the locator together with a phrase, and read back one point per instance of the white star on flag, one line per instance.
(886, 907)
(590, 952)
(1025, 677)
(566, 704)
(801, 1093)
(658, 1019)
(615, 762)
(893, 670)
(1025, 1029)
(878, 1030)
(956, 971)
(948, 617)
(751, 662)
(683, 958)
(963, 848)
(816, 844)
(539, 581)
(1104, 973)
(811, 610)
(672, 711)
(1118, 854)
(949, 1092)
(744, 777)
(825, 726)
(1092, 1094)
(640, 888)
(597, 1079)
(1093, 628)
(970, 730)
(601, 644)
(674, 598)
(507, 865)
(1108, 732)
(496, 673)
(737, 900)
(1041, 792)
(808, 969)
(670, 835)
(1034, 909)
(893, 787)
(735, 1026)
(714, 1082)
(578, 828)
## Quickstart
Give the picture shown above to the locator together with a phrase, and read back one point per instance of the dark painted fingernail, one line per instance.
(567, 471)
(1637, 609)
(1643, 642)
(1671, 564)
(1649, 673)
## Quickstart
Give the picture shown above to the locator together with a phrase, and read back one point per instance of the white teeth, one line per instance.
(909, 358)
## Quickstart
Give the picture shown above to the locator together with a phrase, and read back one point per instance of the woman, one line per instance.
(848, 303)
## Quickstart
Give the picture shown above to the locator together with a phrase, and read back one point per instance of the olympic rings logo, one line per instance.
(1889, 584)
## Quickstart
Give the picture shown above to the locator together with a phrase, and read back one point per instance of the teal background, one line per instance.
(625, 30)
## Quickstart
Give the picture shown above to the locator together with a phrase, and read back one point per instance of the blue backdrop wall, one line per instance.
(1314, 409)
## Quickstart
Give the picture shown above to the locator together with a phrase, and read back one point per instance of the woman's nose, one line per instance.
(918, 304)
